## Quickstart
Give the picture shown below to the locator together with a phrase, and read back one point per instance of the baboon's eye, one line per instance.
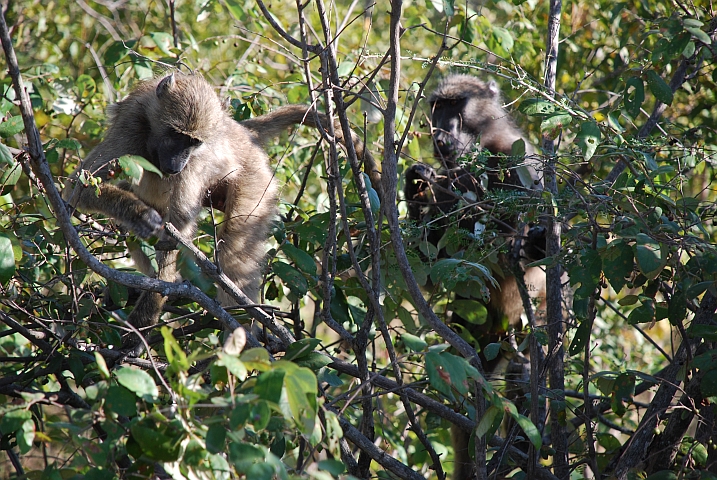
(194, 142)
(453, 101)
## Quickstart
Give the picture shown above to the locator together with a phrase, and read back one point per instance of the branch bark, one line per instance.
(554, 297)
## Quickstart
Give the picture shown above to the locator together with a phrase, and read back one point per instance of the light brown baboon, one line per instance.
(178, 123)
(468, 122)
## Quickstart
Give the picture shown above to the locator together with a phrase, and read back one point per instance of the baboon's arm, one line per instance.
(120, 204)
(269, 126)
(109, 199)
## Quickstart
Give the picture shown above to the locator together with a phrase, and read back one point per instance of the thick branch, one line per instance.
(228, 286)
(554, 297)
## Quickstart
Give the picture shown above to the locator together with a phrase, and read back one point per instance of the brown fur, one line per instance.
(228, 154)
(179, 124)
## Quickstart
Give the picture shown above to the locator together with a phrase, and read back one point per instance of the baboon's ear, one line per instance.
(165, 85)
(493, 88)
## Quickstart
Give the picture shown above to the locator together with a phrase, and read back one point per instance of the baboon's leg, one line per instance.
(250, 210)
(149, 305)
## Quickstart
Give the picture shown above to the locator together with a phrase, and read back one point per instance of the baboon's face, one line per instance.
(451, 129)
(171, 151)
(187, 114)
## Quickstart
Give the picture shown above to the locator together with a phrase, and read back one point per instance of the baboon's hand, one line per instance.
(420, 177)
(148, 223)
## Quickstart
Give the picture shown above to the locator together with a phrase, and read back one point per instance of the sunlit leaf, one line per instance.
(137, 381)
(588, 138)
(7, 259)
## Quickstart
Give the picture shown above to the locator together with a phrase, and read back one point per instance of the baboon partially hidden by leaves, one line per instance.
(179, 124)
(470, 126)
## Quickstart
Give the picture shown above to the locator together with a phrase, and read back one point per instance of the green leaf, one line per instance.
(164, 42)
(608, 441)
(269, 385)
(260, 415)
(244, 455)
(121, 401)
(588, 138)
(13, 420)
(582, 334)
(7, 259)
(699, 34)
(624, 387)
(334, 467)
(256, 359)
(446, 371)
(530, 430)
(555, 121)
(448, 7)
(587, 273)
(293, 278)
(25, 436)
(301, 390)
(491, 351)
(142, 68)
(11, 126)
(537, 107)
(9, 177)
(156, 443)
(345, 68)
(216, 436)
(117, 51)
(472, 311)
(137, 381)
(487, 425)
(414, 343)
(651, 256)
(303, 260)
(76, 367)
(132, 166)
(618, 263)
(301, 348)
(86, 86)
(314, 361)
(645, 313)
(659, 88)
(634, 96)
(504, 38)
(102, 365)
(233, 364)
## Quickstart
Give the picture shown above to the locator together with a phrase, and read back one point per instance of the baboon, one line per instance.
(179, 124)
(468, 119)
(473, 134)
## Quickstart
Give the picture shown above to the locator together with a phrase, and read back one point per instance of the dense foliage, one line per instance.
(366, 386)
